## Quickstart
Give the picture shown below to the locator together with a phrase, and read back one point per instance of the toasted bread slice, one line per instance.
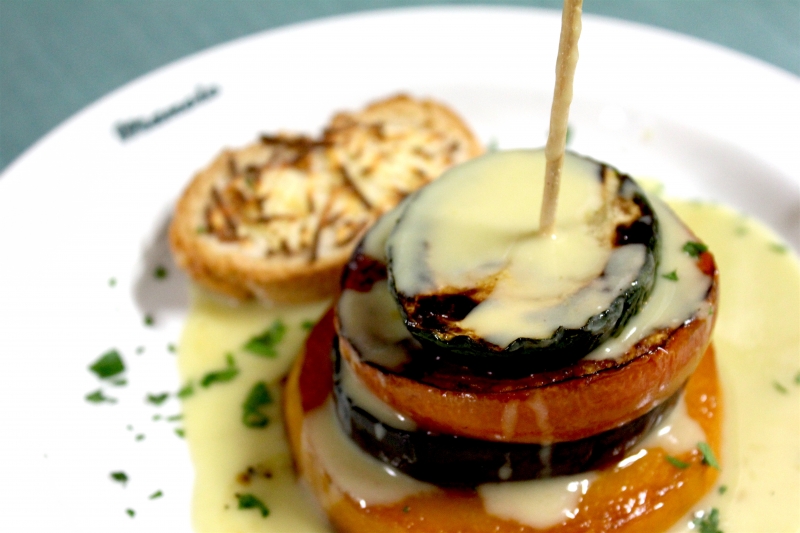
(278, 219)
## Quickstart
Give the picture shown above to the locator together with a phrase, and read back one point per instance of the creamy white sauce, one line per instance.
(476, 225)
(671, 302)
(362, 397)
(757, 340)
(372, 322)
(676, 434)
(537, 503)
(365, 479)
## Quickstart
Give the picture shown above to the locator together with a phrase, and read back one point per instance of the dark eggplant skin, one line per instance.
(462, 462)
(431, 319)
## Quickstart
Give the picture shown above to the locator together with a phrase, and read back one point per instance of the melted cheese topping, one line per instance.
(476, 227)
(373, 322)
(367, 480)
(756, 338)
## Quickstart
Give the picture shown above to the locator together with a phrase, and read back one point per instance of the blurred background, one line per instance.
(57, 56)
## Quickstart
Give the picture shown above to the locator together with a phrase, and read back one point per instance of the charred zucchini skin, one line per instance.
(463, 462)
(430, 319)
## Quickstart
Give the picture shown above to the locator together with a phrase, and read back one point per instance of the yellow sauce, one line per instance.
(757, 339)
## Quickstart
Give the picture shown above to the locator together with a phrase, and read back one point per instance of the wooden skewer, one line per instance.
(559, 112)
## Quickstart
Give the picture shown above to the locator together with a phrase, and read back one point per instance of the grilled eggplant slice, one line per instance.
(451, 460)
(479, 286)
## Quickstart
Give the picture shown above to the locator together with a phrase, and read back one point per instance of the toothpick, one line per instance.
(559, 112)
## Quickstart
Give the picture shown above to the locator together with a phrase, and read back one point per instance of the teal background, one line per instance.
(57, 56)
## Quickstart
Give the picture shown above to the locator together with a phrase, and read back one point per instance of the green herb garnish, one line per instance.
(778, 248)
(157, 399)
(248, 501)
(175, 418)
(569, 135)
(148, 320)
(797, 379)
(130, 512)
(180, 432)
(694, 248)
(160, 272)
(109, 364)
(98, 397)
(112, 282)
(139, 350)
(171, 348)
(140, 436)
(120, 382)
(708, 523)
(708, 455)
(722, 489)
(672, 276)
(307, 325)
(264, 344)
(185, 391)
(221, 376)
(120, 477)
(252, 415)
(677, 463)
(406, 509)
(156, 494)
(780, 388)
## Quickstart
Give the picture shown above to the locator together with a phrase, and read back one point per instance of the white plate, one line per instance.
(81, 206)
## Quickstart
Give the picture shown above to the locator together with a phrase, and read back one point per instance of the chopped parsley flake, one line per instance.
(157, 399)
(780, 388)
(708, 455)
(148, 320)
(778, 248)
(708, 523)
(175, 418)
(156, 418)
(121, 382)
(156, 494)
(201, 229)
(672, 276)
(797, 379)
(180, 432)
(264, 344)
(120, 477)
(248, 501)
(171, 348)
(694, 249)
(569, 135)
(130, 512)
(140, 436)
(252, 414)
(160, 272)
(307, 325)
(109, 364)
(722, 489)
(139, 350)
(112, 282)
(677, 463)
(185, 391)
(406, 509)
(221, 376)
(98, 397)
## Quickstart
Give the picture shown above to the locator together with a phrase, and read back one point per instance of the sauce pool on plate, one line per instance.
(242, 463)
